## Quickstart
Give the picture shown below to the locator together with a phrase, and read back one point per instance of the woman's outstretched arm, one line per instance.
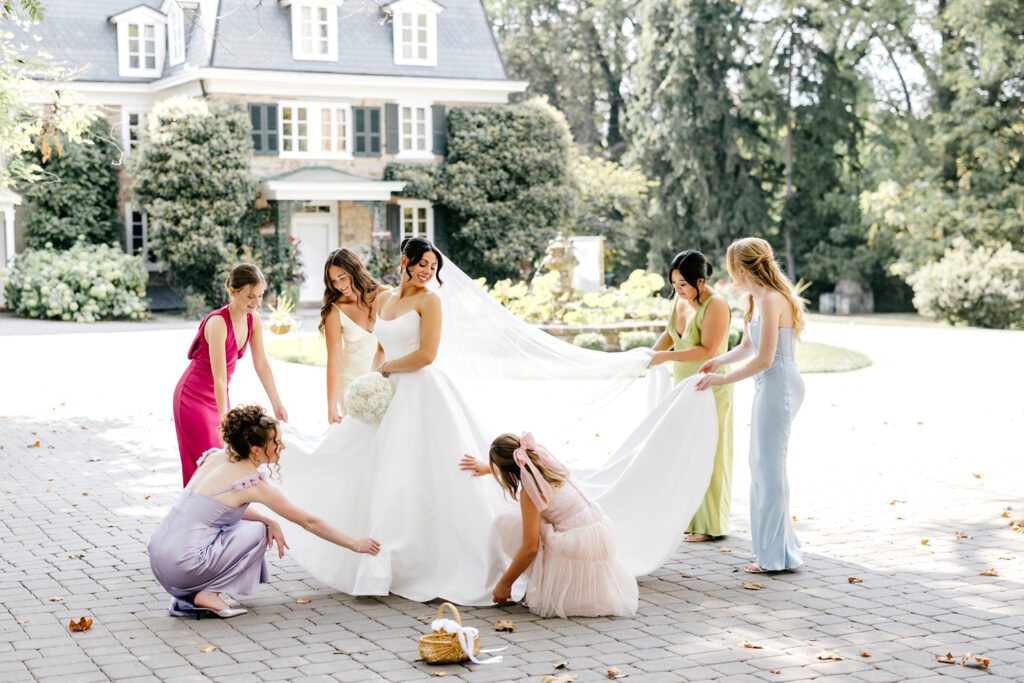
(527, 551)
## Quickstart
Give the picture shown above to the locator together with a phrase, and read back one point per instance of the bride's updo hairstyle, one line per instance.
(246, 427)
(413, 249)
(362, 282)
(691, 266)
(755, 257)
(506, 470)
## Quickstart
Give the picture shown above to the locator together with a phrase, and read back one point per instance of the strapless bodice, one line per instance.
(785, 349)
(398, 337)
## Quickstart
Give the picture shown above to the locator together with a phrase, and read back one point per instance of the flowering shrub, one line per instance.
(636, 299)
(637, 339)
(591, 340)
(86, 283)
(973, 285)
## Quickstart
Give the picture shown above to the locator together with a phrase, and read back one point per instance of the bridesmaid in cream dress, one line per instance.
(347, 318)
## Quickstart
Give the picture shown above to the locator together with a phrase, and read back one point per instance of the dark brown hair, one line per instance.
(413, 249)
(366, 287)
(505, 469)
(244, 274)
(245, 428)
(691, 266)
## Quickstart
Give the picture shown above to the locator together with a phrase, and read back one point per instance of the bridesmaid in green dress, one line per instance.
(698, 330)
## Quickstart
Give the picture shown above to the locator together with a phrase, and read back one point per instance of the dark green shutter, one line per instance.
(263, 118)
(395, 224)
(391, 126)
(440, 125)
(441, 227)
(367, 131)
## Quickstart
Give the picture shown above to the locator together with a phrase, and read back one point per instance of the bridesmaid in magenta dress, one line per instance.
(201, 397)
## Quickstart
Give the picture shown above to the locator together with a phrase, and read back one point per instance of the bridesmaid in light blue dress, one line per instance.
(779, 390)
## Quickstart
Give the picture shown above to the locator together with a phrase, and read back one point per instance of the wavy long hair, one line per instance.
(364, 284)
(505, 469)
(755, 257)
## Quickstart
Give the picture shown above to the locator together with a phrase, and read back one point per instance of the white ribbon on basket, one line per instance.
(467, 638)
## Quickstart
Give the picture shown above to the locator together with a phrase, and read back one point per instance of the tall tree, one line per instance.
(688, 132)
(578, 54)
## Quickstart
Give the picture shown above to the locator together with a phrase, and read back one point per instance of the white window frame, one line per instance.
(413, 205)
(314, 130)
(404, 10)
(330, 8)
(142, 17)
(129, 237)
(175, 33)
(126, 128)
(428, 132)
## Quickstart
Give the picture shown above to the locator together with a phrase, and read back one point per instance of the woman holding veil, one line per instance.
(465, 369)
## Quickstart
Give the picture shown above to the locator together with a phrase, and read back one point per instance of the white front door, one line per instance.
(316, 233)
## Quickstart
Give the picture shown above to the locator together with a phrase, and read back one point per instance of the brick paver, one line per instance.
(922, 446)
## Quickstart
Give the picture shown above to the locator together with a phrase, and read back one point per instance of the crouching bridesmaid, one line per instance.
(211, 542)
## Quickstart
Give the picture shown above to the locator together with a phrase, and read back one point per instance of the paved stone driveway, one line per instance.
(900, 474)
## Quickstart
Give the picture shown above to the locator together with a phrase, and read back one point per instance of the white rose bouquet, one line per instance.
(368, 397)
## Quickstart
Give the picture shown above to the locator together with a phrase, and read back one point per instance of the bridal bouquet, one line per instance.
(368, 397)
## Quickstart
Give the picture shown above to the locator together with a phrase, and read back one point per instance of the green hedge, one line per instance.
(85, 283)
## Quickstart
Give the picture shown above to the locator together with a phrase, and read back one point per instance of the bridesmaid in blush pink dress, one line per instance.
(201, 396)
(562, 543)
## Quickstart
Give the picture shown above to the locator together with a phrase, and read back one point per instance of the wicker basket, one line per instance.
(440, 647)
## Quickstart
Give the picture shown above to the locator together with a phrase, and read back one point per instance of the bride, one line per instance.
(399, 481)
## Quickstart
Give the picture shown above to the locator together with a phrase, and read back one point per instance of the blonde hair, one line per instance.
(755, 257)
(506, 470)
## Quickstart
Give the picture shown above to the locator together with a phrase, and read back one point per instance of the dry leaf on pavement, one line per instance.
(303, 601)
(56, 599)
(829, 656)
(504, 625)
(946, 658)
(925, 541)
(975, 661)
(774, 671)
(753, 646)
(725, 550)
(990, 572)
(82, 624)
(864, 654)
(560, 678)
(977, 476)
(854, 579)
(562, 665)
(438, 674)
(208, 648)
(424, 617)
(753, 586)
(686, 576)
(613, 673)
(960, 535)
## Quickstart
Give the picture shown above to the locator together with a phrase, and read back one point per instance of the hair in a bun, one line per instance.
(246, 427)
(692, 266)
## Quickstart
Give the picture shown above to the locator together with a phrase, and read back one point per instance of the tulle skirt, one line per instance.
(576, 572)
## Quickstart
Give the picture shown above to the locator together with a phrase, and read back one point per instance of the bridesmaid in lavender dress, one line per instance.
(211, 542)
(201, 396)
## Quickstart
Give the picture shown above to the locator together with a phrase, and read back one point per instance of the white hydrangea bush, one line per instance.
(368, 397)
(85, 283)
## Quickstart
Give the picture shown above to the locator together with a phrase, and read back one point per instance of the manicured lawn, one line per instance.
(811, 357)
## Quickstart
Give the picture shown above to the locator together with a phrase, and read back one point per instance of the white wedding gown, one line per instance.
(399, 481)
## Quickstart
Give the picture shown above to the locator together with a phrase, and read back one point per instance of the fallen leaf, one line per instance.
(990, 572)
(562, 665)
(925, 541)
(34, 445)
(438, 674)
(977, 476)
(23, 621)
(303, 601)
(1005, 558)
(946, 658)
(82, 624)
(149, 496)
(975, 661)
(423, 617)
(725, 550)
(864, 654)
(56, 599)
(686, 576)
(753, 586)
(613, 673)
(960, 535)
(504, 625)
(854, 579)
(560, 678)
(85, 493)
(1006, 514)
(208, 648)
(794, 518)
(774, 671)
(84, 427)
(752, 646)
(829, 656)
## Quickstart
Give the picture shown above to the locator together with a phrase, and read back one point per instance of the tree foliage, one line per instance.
(77, 195)
(191, 174)
(505, 185)
(689, 133)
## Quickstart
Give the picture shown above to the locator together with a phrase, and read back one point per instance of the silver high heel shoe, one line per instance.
(182, 608)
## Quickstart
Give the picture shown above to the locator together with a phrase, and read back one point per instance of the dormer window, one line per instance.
(140, 42)
(315, 30)
(415, 31)
(175, 33)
